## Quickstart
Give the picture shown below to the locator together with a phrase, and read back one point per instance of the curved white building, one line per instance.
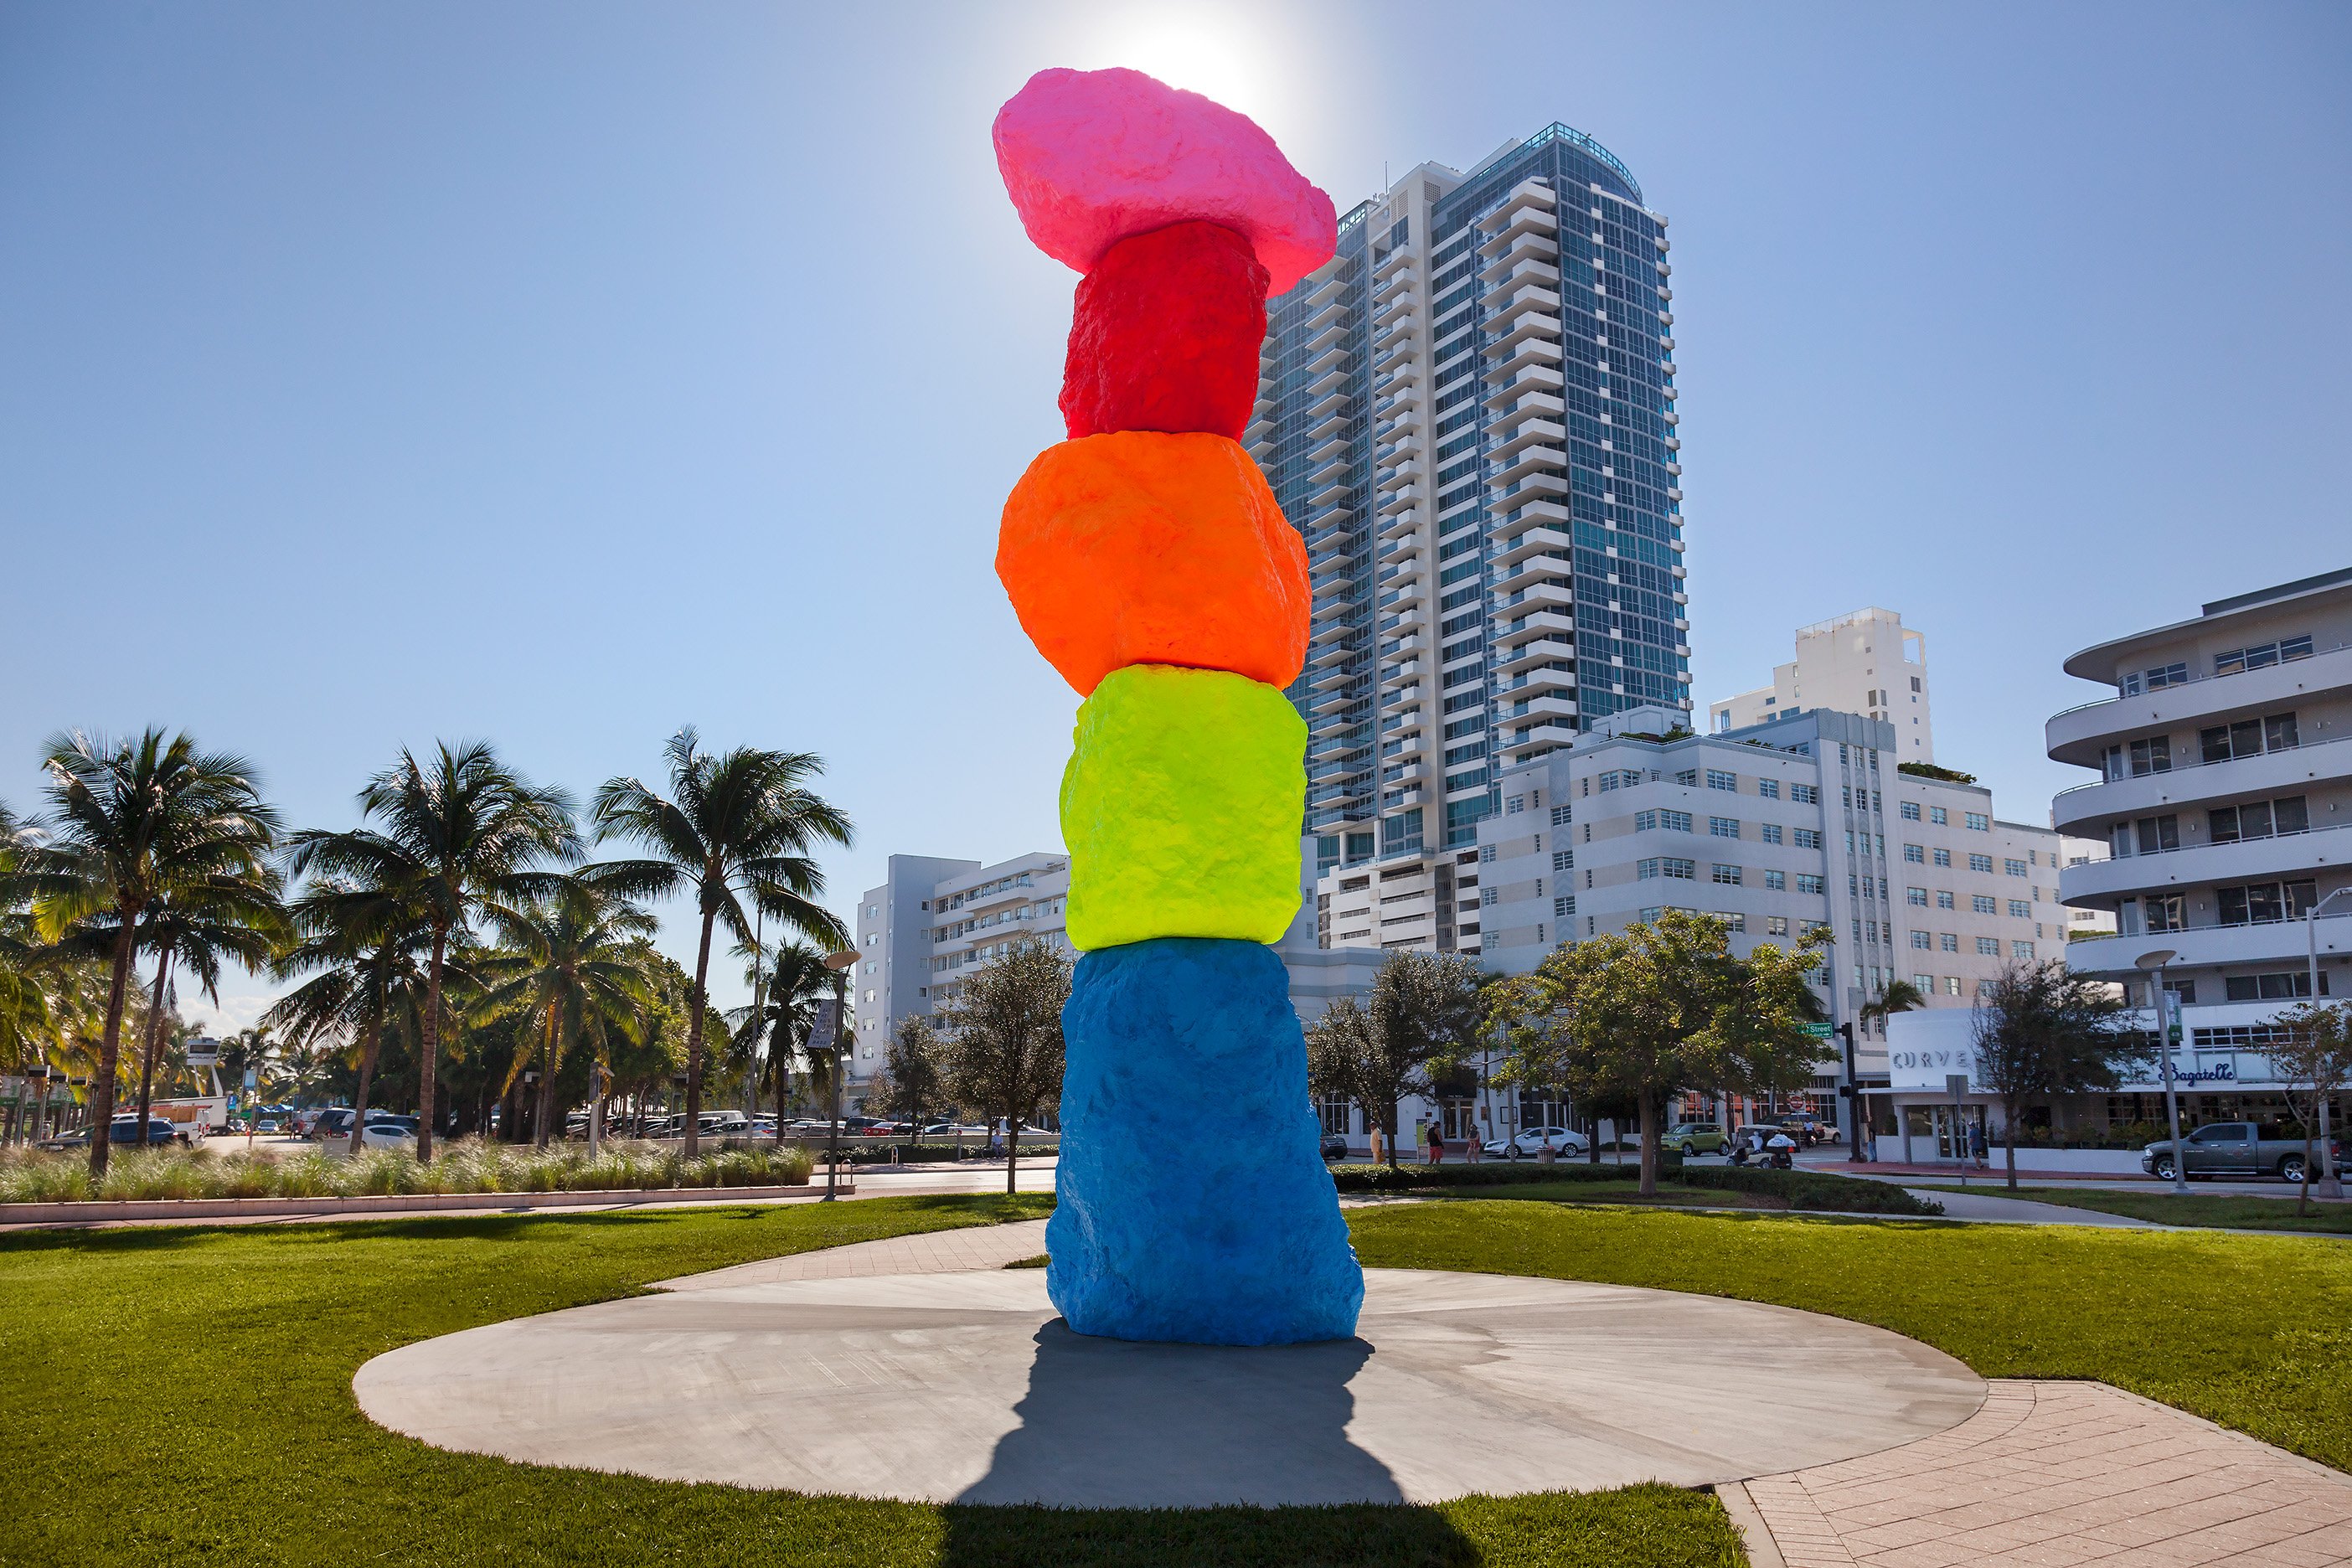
(2224, 791)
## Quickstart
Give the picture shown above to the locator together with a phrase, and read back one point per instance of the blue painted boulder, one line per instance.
(1191, 1200)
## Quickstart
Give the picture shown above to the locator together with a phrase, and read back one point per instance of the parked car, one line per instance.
(121, 1132)
(2235, 1149)
(1335, 1147)
(1528, 1142)
(387, 1135)
(1688, 1137)
(336, 1122)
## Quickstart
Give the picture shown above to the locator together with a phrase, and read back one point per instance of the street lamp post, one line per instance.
(2151, 964)
(840, 963)
(2331, 1185)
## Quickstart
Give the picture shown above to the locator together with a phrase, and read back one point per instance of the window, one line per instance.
(1910, 811)
(1775, 881)
(1723, 827)
(2020, 949)
(2163, 911)
(1514, 805)
(2281, 987)
(1667, 865)
(1729, 876)
(1922, 940)
(1944, 899)
(1804, 794)
(1563, 859)
(1671, 821)
(1717, 779)
(2149, 835)
(1806, 884)
(1980, 821)
(2247, 738)
(1560, 815)
(1938, 816)
(1650, 916)
(1951, 985)
(1984, 904)
(2259, 820)
(1771, 832)
(2259, 903)
(1943, 857)
(1987, 947)
(2240, 660)
(1768, 788)
(1808, 838)
(1980, 862)
(1914, 855)
(1562, 907)
(2019, 910)
(1733, 921)
(1776, 925)
(2013, 867)
(1948, 942)
(1917, 897)
(1687, 776)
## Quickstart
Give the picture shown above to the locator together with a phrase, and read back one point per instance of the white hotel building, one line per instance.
(2219, 787)
(1778, 830)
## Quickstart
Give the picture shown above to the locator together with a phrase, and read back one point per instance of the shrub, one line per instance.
(1416, 1178)
(1819, 1190)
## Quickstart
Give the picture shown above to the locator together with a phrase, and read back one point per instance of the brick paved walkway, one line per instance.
(2053, 1474)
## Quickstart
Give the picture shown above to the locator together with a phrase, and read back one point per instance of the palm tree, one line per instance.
(461, 829)
(741, 823)
(1899, 997)
(366, 946)
(573, 965)
(787, 988)
(135, 826)
(230, 914)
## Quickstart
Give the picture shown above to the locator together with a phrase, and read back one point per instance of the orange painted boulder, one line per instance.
(1142, 547)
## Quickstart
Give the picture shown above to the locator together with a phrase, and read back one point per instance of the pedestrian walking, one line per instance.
(1976, 1149)
(1437, 1144)
(1476, 1142)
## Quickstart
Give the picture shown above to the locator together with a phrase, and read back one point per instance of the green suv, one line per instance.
(1688, 1137)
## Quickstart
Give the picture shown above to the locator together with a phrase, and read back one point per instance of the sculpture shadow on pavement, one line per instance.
(1119, 1424)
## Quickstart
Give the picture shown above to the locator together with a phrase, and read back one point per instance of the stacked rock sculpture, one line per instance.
(1150, 564)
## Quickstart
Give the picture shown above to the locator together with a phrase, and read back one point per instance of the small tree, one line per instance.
(908, 1084)
(1423, 1011)
(1665, 1005)
(2317, 1054)
(2042, 1031)
(1002, 1053)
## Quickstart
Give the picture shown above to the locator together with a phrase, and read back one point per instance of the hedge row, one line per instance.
(1816, 1190)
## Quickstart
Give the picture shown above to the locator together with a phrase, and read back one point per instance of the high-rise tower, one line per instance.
(1469, 414)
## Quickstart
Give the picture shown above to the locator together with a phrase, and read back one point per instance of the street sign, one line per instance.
(1957, 1085)
(1820, 1031)
(204, 1053)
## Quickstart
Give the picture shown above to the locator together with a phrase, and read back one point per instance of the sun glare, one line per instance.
(1205, 50)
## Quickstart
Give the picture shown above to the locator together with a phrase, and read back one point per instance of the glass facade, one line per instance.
(1469, 416)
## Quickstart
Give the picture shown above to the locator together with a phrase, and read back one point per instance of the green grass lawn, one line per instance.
(183, 1396)
(2225, 1212)
(2251, 1332)
(1628, 1191)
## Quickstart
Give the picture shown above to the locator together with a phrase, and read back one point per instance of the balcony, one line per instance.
(2101, 883)
(2081, 734)
(1532, 349)
(1536, 253)
(1535, 429)
(2087, 808)
(2277, 943)
(1537, 457)
(1531, 378)
(1534, 543)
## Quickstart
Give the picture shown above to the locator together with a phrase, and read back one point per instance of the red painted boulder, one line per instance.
(1165, 336)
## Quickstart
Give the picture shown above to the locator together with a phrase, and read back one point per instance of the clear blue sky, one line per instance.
(562, 372)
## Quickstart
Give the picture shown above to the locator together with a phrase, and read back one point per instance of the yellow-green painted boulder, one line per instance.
(1182, 808)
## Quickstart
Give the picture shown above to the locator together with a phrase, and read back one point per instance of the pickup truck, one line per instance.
(2236, 1149)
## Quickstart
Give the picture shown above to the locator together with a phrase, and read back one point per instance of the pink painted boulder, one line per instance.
(1091, 157)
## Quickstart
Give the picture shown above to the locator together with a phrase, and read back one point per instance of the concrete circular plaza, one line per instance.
(966, 1386)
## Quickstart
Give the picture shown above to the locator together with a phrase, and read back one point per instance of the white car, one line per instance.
(381, 1135)
(1529, 1141)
